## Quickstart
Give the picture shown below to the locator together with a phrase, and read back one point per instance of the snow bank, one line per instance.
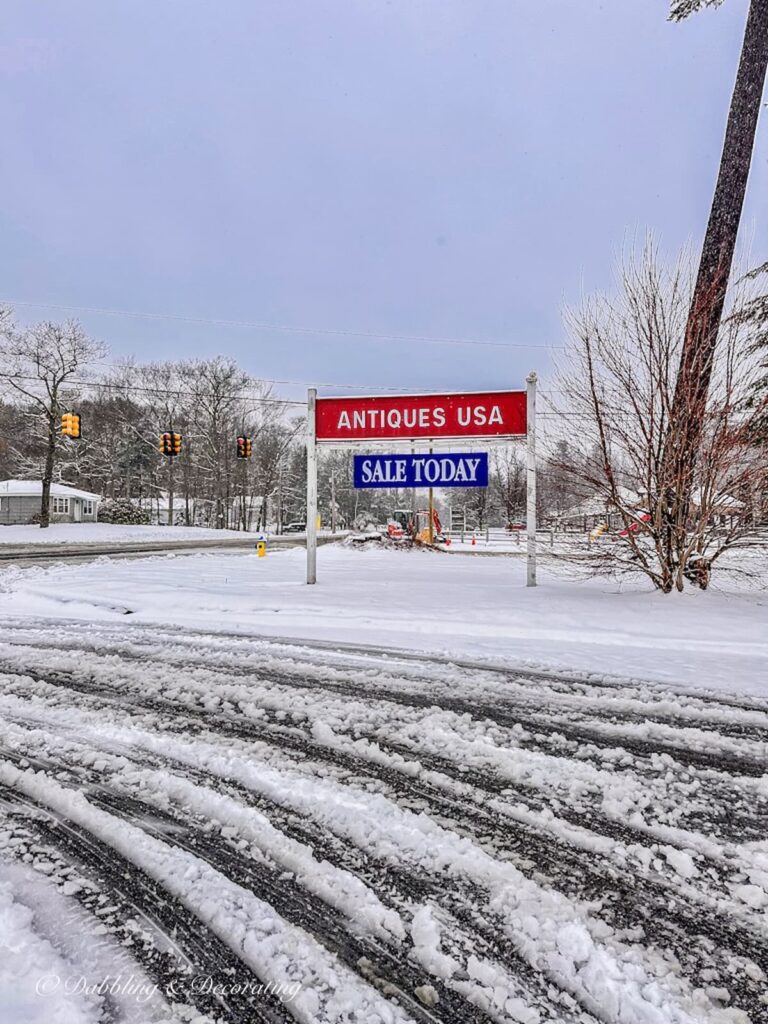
(459, 607)
(29, 969)
(111, 533)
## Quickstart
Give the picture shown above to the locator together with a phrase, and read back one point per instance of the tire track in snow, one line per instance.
(570, 870)
(728, 806)
(325, 652)
(137, 894)
(638, 901)
(270, 727)
(238, 924)
(556, 745)
(543, 726)
(574, 691)
(455, 810)
(380, 965)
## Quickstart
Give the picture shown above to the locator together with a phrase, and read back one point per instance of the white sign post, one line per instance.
(530, 496)
(311, 486)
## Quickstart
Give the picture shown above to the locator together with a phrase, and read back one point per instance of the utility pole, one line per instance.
(333, 503)
(170, 487)
(689, 406)
(280, 497)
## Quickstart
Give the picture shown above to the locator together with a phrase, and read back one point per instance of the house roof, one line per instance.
(600, 504)
(34, 489)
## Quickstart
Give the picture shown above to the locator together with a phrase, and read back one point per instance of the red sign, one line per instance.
(407, 417)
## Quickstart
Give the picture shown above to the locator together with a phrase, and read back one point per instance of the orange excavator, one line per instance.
(407, 525)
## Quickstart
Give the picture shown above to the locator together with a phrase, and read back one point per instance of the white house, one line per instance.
(20, 503)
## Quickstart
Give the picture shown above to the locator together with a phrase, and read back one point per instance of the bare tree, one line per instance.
(618, 391)
(507, 480)
(272, 472)
(39, 364)
(696, 361)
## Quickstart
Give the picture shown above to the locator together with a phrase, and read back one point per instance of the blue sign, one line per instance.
(439, 470)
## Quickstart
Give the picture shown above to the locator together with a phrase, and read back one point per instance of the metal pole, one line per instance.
(430, 506)
(170, 489)
(311, 487)
(414, 513)
(530, 501)
(280, 497)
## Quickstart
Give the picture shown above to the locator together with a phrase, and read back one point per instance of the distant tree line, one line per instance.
(51, 368)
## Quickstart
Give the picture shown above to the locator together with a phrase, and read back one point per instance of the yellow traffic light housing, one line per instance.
(70, 424)
(170, 444)
(244, 447)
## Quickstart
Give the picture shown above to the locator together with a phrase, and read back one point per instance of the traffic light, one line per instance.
(170, 444)
(70, 424)
(244, 447)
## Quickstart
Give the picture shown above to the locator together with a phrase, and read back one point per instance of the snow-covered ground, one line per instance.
(455, 605)
(96, 533)
(199, 824)
(362, 838)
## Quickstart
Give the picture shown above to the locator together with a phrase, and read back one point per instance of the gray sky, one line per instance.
(451, 168)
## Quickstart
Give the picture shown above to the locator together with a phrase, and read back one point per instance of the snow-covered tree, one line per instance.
(617, 388)
(45, 365)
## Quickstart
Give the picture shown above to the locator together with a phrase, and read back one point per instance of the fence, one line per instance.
(499, 539)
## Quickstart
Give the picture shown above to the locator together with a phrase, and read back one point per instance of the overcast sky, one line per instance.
(449, 168)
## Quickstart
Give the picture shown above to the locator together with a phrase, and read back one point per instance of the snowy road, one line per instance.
(370, 837)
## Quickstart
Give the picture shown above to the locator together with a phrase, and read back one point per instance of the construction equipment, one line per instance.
(598, 532)
(410, 526)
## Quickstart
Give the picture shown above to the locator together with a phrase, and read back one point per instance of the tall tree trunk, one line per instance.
(695, 371)
(50, 451)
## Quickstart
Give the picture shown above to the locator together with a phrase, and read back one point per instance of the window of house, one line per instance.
(88, 507)
(60, 506)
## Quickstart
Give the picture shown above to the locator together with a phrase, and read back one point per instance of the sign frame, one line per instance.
(411, 469)
(402, 405)
(529, 436)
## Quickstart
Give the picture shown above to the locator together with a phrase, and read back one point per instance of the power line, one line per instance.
(288, 328)
(158, 391)
(262, 380)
